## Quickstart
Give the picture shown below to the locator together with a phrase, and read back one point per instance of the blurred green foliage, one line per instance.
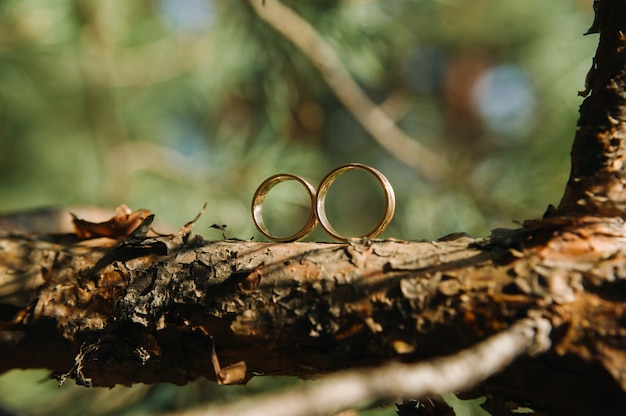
(167, 104)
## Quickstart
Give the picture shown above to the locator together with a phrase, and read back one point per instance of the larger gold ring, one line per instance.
(322, 190)
(257, 207)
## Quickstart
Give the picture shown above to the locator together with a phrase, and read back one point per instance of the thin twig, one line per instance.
(372, 117)
(351, 388)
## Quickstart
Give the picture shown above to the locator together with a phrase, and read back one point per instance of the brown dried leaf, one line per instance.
(120, 226)
(232, 374)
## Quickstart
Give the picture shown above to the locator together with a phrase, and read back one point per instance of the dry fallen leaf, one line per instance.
(231, 374)
(120, 226)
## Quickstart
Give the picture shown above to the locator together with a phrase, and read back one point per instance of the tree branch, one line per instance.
(597, 182)
(174, 308)
(351, 388)
(382, 128)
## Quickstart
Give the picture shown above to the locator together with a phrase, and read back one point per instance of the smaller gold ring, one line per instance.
(328, 180)
(257, 207)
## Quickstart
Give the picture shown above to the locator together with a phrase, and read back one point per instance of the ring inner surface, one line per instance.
(259, 204)
(358, 200)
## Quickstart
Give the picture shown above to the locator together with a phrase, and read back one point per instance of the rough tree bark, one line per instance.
(596, 183)
(129, 307)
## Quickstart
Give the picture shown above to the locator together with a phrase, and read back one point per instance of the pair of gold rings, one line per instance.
(317, 200)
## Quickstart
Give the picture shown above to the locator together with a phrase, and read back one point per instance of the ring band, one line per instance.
(257, 207)
(322, 190)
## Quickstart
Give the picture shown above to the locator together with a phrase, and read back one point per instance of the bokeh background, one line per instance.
(168, 104)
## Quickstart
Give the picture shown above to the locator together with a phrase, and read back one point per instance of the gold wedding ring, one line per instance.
(318, 200)
(322, 190)
(257, 207)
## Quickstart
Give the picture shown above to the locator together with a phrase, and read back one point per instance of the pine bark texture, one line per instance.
(597, 182)
(152, 309)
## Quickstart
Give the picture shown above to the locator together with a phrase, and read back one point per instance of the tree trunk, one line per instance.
(598, 178)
